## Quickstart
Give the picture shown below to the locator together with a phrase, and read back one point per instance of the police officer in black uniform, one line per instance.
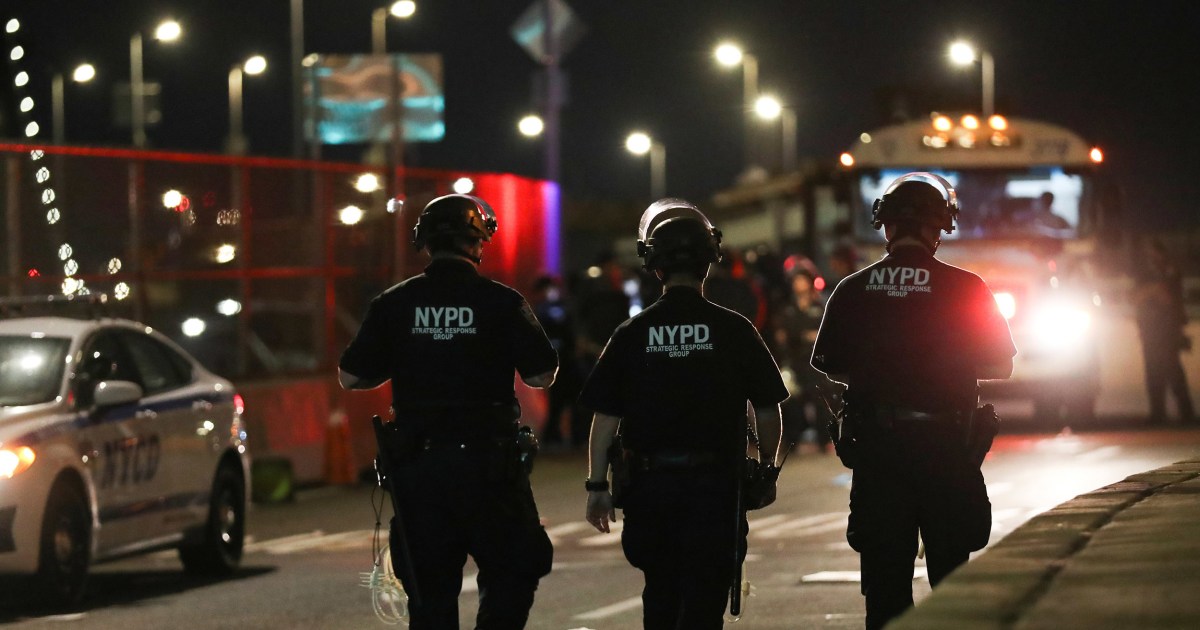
(449, 340)
(911, 336)
(676, 379)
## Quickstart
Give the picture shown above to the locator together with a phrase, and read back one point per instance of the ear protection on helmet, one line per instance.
(904, 205)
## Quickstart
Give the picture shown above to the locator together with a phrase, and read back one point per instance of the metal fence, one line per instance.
(246, 262)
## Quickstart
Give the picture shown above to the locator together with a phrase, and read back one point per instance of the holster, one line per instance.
(620, 461)
(844, 428)
(985, 425)
(758, 479)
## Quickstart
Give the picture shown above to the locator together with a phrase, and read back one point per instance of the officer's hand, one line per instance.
(600, 510)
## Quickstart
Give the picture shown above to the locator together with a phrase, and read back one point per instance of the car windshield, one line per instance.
(31, 369)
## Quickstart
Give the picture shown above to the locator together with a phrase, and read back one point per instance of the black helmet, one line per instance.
(674, 234)
(920, 198)
(449, 216)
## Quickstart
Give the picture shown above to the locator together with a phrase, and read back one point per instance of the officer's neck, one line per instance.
(683, 280)
(908, 242)
(448, 255)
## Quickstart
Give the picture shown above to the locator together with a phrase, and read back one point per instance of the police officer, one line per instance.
(676, 379)
(449, 341)
(911, 336)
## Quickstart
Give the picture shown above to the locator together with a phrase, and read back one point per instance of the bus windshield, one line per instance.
(1045, 202)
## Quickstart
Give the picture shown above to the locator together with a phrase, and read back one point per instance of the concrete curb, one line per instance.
(997, 588)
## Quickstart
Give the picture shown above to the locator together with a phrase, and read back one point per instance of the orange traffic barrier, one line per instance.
(339, 458)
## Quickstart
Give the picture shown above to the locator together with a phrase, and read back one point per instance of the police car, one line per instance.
(113, 441)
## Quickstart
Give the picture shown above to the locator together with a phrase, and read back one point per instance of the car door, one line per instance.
(173, 422)
(112, 435)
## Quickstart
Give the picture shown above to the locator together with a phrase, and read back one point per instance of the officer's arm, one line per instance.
(600, 510)
(770, 432)
(541, 381)
(350, 381)
(604, 428)
(998, 370)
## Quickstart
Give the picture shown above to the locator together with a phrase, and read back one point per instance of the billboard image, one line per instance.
(349, 98)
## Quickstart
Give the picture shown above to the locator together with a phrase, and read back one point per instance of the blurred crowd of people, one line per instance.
(782, 295)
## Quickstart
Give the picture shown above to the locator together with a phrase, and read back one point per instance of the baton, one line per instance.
(386, 466)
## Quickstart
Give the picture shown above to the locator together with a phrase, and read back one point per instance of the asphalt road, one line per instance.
(303, 564)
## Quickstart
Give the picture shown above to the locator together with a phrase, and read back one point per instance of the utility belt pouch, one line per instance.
(397, 444)
(758, 479)
(983, 428)
(527, 448)
(844, 429)
(620, 461)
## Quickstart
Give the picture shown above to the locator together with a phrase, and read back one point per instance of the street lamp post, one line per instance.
(83, 73)
(237, 137)
(962, 54)
(402, 9)
(731, 55)
(769, 108)
(639, 143)
(168, 31)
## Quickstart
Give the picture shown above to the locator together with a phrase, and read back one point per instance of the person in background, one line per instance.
(796, 325)
(554, 314)
(1161, 318)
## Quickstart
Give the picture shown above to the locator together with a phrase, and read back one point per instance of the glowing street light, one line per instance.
(403, 9)
(168, 31)
(963, 53)
(731, 55)
(255, 65)
(83, 73)
(350, 215)
(531, 126)
(367, 183)
(463, 185)
(769, 108)
(640, 143)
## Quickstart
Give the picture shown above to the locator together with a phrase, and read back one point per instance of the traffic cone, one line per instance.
(339, 460)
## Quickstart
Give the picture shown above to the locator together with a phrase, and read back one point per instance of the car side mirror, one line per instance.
(115, 393)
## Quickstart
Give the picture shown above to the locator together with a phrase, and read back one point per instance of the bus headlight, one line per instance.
(15, 460)
(1060, 326)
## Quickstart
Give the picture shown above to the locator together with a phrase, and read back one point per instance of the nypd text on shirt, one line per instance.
(443, 322)
(679, 340)
(899, 281)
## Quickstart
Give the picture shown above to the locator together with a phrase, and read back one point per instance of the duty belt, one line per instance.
(892, 413)
(673, 460)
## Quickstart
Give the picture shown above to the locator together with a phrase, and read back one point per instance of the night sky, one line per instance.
(1123, 74)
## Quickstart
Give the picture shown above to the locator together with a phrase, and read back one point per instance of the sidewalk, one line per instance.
(1124, 556)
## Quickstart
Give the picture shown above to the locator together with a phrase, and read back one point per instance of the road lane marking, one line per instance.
(566, 529)
(286, 540)
(806, 526)
(833, 577)
(1104, 452)
(766, 521)
(611, 609)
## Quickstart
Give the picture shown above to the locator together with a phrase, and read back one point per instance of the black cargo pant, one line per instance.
(462, 500)
(913, 477)
(681, 527)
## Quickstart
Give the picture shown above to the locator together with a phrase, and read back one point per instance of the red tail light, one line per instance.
(239, 404)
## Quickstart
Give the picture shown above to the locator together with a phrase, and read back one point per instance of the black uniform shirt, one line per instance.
(911, 330)
(449, 337)
(679, 374)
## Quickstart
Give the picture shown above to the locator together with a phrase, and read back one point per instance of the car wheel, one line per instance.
(219, 550)
(64, 552)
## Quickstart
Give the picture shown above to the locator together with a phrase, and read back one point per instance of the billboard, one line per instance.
(351, 99)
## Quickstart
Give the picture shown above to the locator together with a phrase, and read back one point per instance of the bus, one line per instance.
(1039, 222)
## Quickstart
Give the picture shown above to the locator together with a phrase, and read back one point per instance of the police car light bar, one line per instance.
(29, 305)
